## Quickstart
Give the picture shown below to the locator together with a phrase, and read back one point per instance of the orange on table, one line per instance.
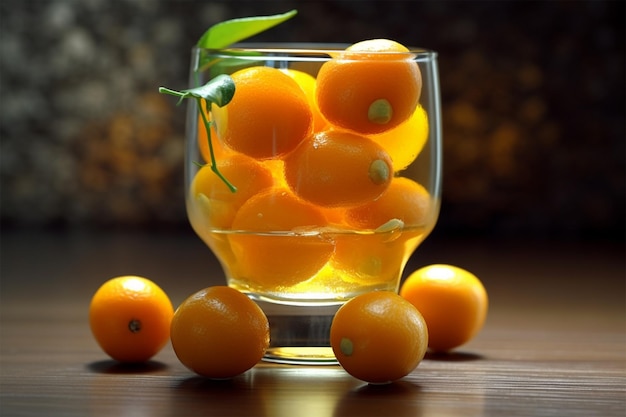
(130, 318)
(219, 332)
(404, 200)
(288, 255)
(338, 168)
(219, 150)
(405, 142)
(268, 116)
(213, 200)
(452, 300)
(307, 82)
(378, 337)
(371, 87)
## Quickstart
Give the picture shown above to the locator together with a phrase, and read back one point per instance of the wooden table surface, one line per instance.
(554, 342)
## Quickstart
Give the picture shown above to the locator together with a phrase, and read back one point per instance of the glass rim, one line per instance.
(310, 50)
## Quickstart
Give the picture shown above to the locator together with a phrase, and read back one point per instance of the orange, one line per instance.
(214, 201)
(374, 47)
(219, 332)
(219, 150)
(338, 168)
(130, 318)
(371, 87)
(378, 337)
(405, 142)
(452, 300)
(404, 200)
(268, 116)
(307, 83)
(291, 252)
(371, 259)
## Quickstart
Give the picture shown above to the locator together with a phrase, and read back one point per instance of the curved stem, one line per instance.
(207, 126)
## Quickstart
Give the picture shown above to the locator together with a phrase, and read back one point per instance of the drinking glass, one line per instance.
(337, 212)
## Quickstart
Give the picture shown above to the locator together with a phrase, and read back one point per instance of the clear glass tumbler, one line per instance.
(336, 160)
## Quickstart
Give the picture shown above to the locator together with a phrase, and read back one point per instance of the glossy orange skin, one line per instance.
(308, 84)
(337, 168)
(219, 332)
(215, 201)
(130, 318)
(404, 200)
(405, 142)
(348, 84)
(453, 301)
(378, 337)
(286, 258)
(268, 116)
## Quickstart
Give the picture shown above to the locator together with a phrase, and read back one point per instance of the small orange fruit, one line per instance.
(372, 259)
(268, 116)
(130, 318)
(405, 142)
(452, 300)
(214, 201)
(378, 337)
(338, 168)
(219, 332)
(404, 200)
(272, 245)
(371, 87)
(307, 83)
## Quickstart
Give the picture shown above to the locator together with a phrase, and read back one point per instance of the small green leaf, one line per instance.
(219, 90)
(231, 31)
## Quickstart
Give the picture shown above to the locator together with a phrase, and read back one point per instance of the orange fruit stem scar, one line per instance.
(134, 325)
(346, 346)
(380, 111)
(379, 172)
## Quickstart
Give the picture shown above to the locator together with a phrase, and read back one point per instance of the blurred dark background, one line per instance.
(533, 108)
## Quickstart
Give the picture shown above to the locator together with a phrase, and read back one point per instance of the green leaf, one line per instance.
(219, 90)
(231, 31)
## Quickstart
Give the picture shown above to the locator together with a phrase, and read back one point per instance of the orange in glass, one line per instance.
(378, 337)
(371, 259)
(268, 116)
(371, 87)
(453, 301)
(404, 200)
(307, 83)
(130, 318)
(272, 243)
(405, 142)
(214, 202)
(219, 332)
(338, 168)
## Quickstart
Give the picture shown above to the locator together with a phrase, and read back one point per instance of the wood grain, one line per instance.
(554, 342)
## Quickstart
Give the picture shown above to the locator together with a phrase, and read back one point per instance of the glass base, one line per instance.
(299, 334)
(298, 355)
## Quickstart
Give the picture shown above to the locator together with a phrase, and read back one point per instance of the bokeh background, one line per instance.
(533, 108)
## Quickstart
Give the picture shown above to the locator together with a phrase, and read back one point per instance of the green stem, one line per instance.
(207, 126)
(180, 95)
